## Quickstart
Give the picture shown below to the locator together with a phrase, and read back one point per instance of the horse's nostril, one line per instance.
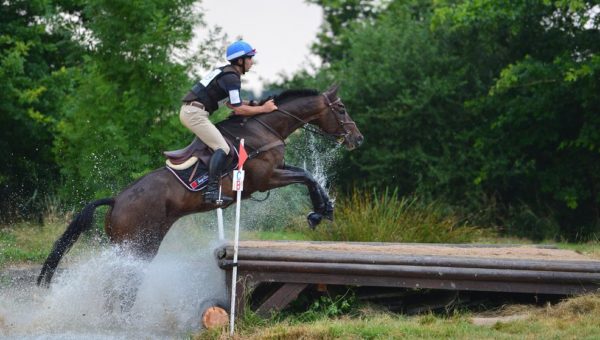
(360, 140)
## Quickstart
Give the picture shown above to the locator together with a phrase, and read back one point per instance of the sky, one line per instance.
(281, 31)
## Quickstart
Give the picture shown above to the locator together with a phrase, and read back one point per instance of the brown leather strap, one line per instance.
(265, 148)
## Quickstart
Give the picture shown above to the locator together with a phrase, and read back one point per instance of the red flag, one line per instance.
(243, 155)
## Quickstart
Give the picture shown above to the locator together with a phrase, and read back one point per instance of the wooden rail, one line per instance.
(497, 268)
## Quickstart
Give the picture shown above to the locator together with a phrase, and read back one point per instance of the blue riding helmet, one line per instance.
(238, 49)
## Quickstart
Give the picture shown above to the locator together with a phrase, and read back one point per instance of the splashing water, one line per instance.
(174, 290)
(320, 161)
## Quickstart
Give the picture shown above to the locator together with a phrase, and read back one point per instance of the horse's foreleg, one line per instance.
(322, 205)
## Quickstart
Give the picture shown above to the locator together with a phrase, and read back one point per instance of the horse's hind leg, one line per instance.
(121, 291)
(136, 226)
(140, 218)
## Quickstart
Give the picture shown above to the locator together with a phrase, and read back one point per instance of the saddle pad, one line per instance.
(193, 178)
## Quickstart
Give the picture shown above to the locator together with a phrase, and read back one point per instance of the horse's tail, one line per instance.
(81, 223)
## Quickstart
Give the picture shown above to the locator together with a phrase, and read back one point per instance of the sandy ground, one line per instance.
(467, 250)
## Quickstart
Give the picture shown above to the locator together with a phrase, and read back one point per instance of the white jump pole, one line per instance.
(238, 185)
(220, 218)
(220, 224)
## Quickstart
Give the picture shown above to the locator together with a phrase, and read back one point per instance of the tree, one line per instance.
(488, 105)
(540, 126)
(124, 110)
(338, 16)
(37, 56)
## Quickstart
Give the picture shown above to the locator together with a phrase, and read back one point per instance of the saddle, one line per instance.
(190, 164)
(197, 150)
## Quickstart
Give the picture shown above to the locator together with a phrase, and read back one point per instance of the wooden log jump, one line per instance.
(495, 268)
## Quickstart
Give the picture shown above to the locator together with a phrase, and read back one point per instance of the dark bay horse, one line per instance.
(141, 215)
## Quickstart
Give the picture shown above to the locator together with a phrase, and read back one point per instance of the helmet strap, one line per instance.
(243, 59)
(238, 66)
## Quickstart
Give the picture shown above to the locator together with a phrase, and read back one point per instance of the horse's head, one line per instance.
(335, 121)
(324, 110)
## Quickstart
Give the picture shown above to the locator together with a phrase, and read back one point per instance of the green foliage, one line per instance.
(338, 15)
(486, 105)
(538, 118)
(90, 89)
(36, 59)
(124, 109)
(328, 307)
(384, 217)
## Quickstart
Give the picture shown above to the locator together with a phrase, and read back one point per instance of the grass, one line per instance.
(385, 217)
(576, 318)
(30, 243)
(590, 249)
(27, 243)
(374, 217)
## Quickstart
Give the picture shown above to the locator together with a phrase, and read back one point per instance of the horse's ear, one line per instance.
(332, 91)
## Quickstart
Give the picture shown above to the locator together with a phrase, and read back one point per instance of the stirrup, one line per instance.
(215, 196)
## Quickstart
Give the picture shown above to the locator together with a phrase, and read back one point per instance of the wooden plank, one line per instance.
(479, 274)
(429, 283)
(416, 260)
(281, 298)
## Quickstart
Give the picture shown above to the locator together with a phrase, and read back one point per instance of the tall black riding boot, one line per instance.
(215, 168)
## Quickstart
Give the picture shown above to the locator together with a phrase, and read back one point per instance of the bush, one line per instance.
(386, 217)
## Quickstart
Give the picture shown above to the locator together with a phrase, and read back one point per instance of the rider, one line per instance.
(203, 99)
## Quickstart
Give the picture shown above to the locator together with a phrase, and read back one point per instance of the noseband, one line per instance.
(334, 108)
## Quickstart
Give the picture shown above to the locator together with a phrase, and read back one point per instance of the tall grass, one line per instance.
(386, 217)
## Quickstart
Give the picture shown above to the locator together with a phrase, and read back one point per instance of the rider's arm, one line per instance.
(247, 110)
(232, 85)
(250, 102)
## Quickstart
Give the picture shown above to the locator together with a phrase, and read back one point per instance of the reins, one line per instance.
(334, 137)
(337, 138)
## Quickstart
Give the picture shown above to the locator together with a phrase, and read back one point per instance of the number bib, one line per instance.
(209, 77)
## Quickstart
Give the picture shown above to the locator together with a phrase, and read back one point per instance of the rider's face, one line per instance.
(248, 63)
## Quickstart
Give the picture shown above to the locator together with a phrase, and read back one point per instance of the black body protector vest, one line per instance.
(207, 91)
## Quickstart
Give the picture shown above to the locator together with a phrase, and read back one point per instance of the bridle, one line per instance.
(337, 109)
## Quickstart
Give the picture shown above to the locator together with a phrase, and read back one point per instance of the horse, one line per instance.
(140, 216)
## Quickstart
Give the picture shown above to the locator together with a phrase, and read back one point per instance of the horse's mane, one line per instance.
(288, 95)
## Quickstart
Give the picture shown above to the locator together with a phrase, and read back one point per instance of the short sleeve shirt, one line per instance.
(232, 85)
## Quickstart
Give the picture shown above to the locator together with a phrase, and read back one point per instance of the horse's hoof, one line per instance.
(313, 219)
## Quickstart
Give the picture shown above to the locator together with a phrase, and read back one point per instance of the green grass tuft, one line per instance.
(386, 217)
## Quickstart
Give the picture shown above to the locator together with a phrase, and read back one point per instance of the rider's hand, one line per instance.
(269, 106)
